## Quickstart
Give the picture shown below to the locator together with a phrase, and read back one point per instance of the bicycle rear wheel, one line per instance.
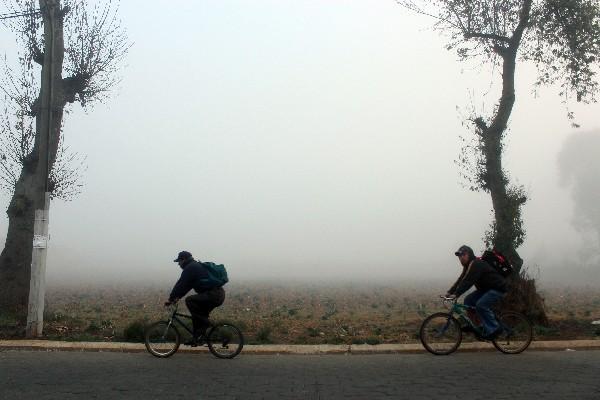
(225, 341)
(162, 339)
(517, 333)
(440, 334)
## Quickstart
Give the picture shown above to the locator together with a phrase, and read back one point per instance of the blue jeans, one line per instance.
(483, 302)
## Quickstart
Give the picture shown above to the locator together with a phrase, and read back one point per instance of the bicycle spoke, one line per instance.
(162, 339)
(225, 341)
(517, 333)
(440, 334)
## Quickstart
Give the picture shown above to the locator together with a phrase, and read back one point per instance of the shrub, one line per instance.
(545, 331)
(134, 332)
(336, 340)
(524, 298)
(82, 337)
(56, 316)
(300, 340)
(312, 332)
(372, 340)
(263, 335)
(11, 326)
(93, 327)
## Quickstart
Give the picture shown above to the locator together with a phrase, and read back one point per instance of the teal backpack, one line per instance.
(217, 274)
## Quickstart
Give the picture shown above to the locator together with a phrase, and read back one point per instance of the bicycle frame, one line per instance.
(461, 310)
(174, 318)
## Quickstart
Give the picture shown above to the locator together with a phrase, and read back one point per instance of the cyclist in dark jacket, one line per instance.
(490, 288)
(205, 300)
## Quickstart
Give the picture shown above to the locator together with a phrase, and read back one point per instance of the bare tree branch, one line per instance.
(95, 47)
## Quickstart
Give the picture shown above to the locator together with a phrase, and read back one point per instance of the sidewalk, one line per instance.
(46, 345)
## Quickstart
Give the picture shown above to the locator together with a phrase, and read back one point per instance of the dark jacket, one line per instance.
(480, 274)
(191, 278)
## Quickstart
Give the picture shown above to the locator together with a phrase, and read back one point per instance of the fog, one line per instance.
(308, 141)
(580, 168)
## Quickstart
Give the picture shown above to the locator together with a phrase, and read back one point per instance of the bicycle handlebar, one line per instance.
(448, 298)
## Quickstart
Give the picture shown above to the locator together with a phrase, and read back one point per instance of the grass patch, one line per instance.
(263, 335)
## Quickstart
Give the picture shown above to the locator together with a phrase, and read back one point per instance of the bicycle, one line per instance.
(441, 333)
(162, 339)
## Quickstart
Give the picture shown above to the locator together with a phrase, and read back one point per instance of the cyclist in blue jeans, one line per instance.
(490, 288)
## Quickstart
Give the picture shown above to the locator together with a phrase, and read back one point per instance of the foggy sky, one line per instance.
(296, 139)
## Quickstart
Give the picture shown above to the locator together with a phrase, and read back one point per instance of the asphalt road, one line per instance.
(490, 375)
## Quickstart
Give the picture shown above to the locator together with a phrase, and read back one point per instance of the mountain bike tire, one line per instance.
(440, 334)
(517, 333)
(225, 341)
(162, 339)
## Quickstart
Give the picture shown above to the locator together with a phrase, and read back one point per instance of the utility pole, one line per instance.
(37, 283)
(50, 10)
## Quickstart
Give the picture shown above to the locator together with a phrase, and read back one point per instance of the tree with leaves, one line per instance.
(75, 50)
(561, 37)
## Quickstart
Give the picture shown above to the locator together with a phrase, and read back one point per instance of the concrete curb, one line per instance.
(46, 345)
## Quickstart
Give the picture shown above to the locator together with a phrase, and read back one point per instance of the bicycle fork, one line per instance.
(164, 336)
(446, 326)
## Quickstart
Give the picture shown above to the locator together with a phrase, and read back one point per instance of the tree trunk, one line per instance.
(29, 194)
(506, 205)
(495, 179)
(523, 296)
(15, 260)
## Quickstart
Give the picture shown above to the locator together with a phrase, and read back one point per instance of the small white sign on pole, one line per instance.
(40, 242)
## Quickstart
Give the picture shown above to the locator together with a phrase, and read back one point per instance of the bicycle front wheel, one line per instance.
(162, 339)
(225, 341)
(516, 335)
(440, 334)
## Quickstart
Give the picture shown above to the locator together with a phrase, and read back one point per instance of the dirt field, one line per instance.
(293, 313)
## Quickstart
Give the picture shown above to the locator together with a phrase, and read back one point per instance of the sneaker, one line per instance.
(195, 341)
(467, 329)
(493, 335)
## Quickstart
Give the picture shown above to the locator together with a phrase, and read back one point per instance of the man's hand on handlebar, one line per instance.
(171, 302)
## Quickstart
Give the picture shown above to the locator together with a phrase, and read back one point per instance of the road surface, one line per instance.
(490, 375)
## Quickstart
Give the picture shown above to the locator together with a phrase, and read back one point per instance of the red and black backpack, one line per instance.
(498, 261)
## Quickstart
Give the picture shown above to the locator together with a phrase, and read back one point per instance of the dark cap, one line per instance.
(464, 249)
(183, 255)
